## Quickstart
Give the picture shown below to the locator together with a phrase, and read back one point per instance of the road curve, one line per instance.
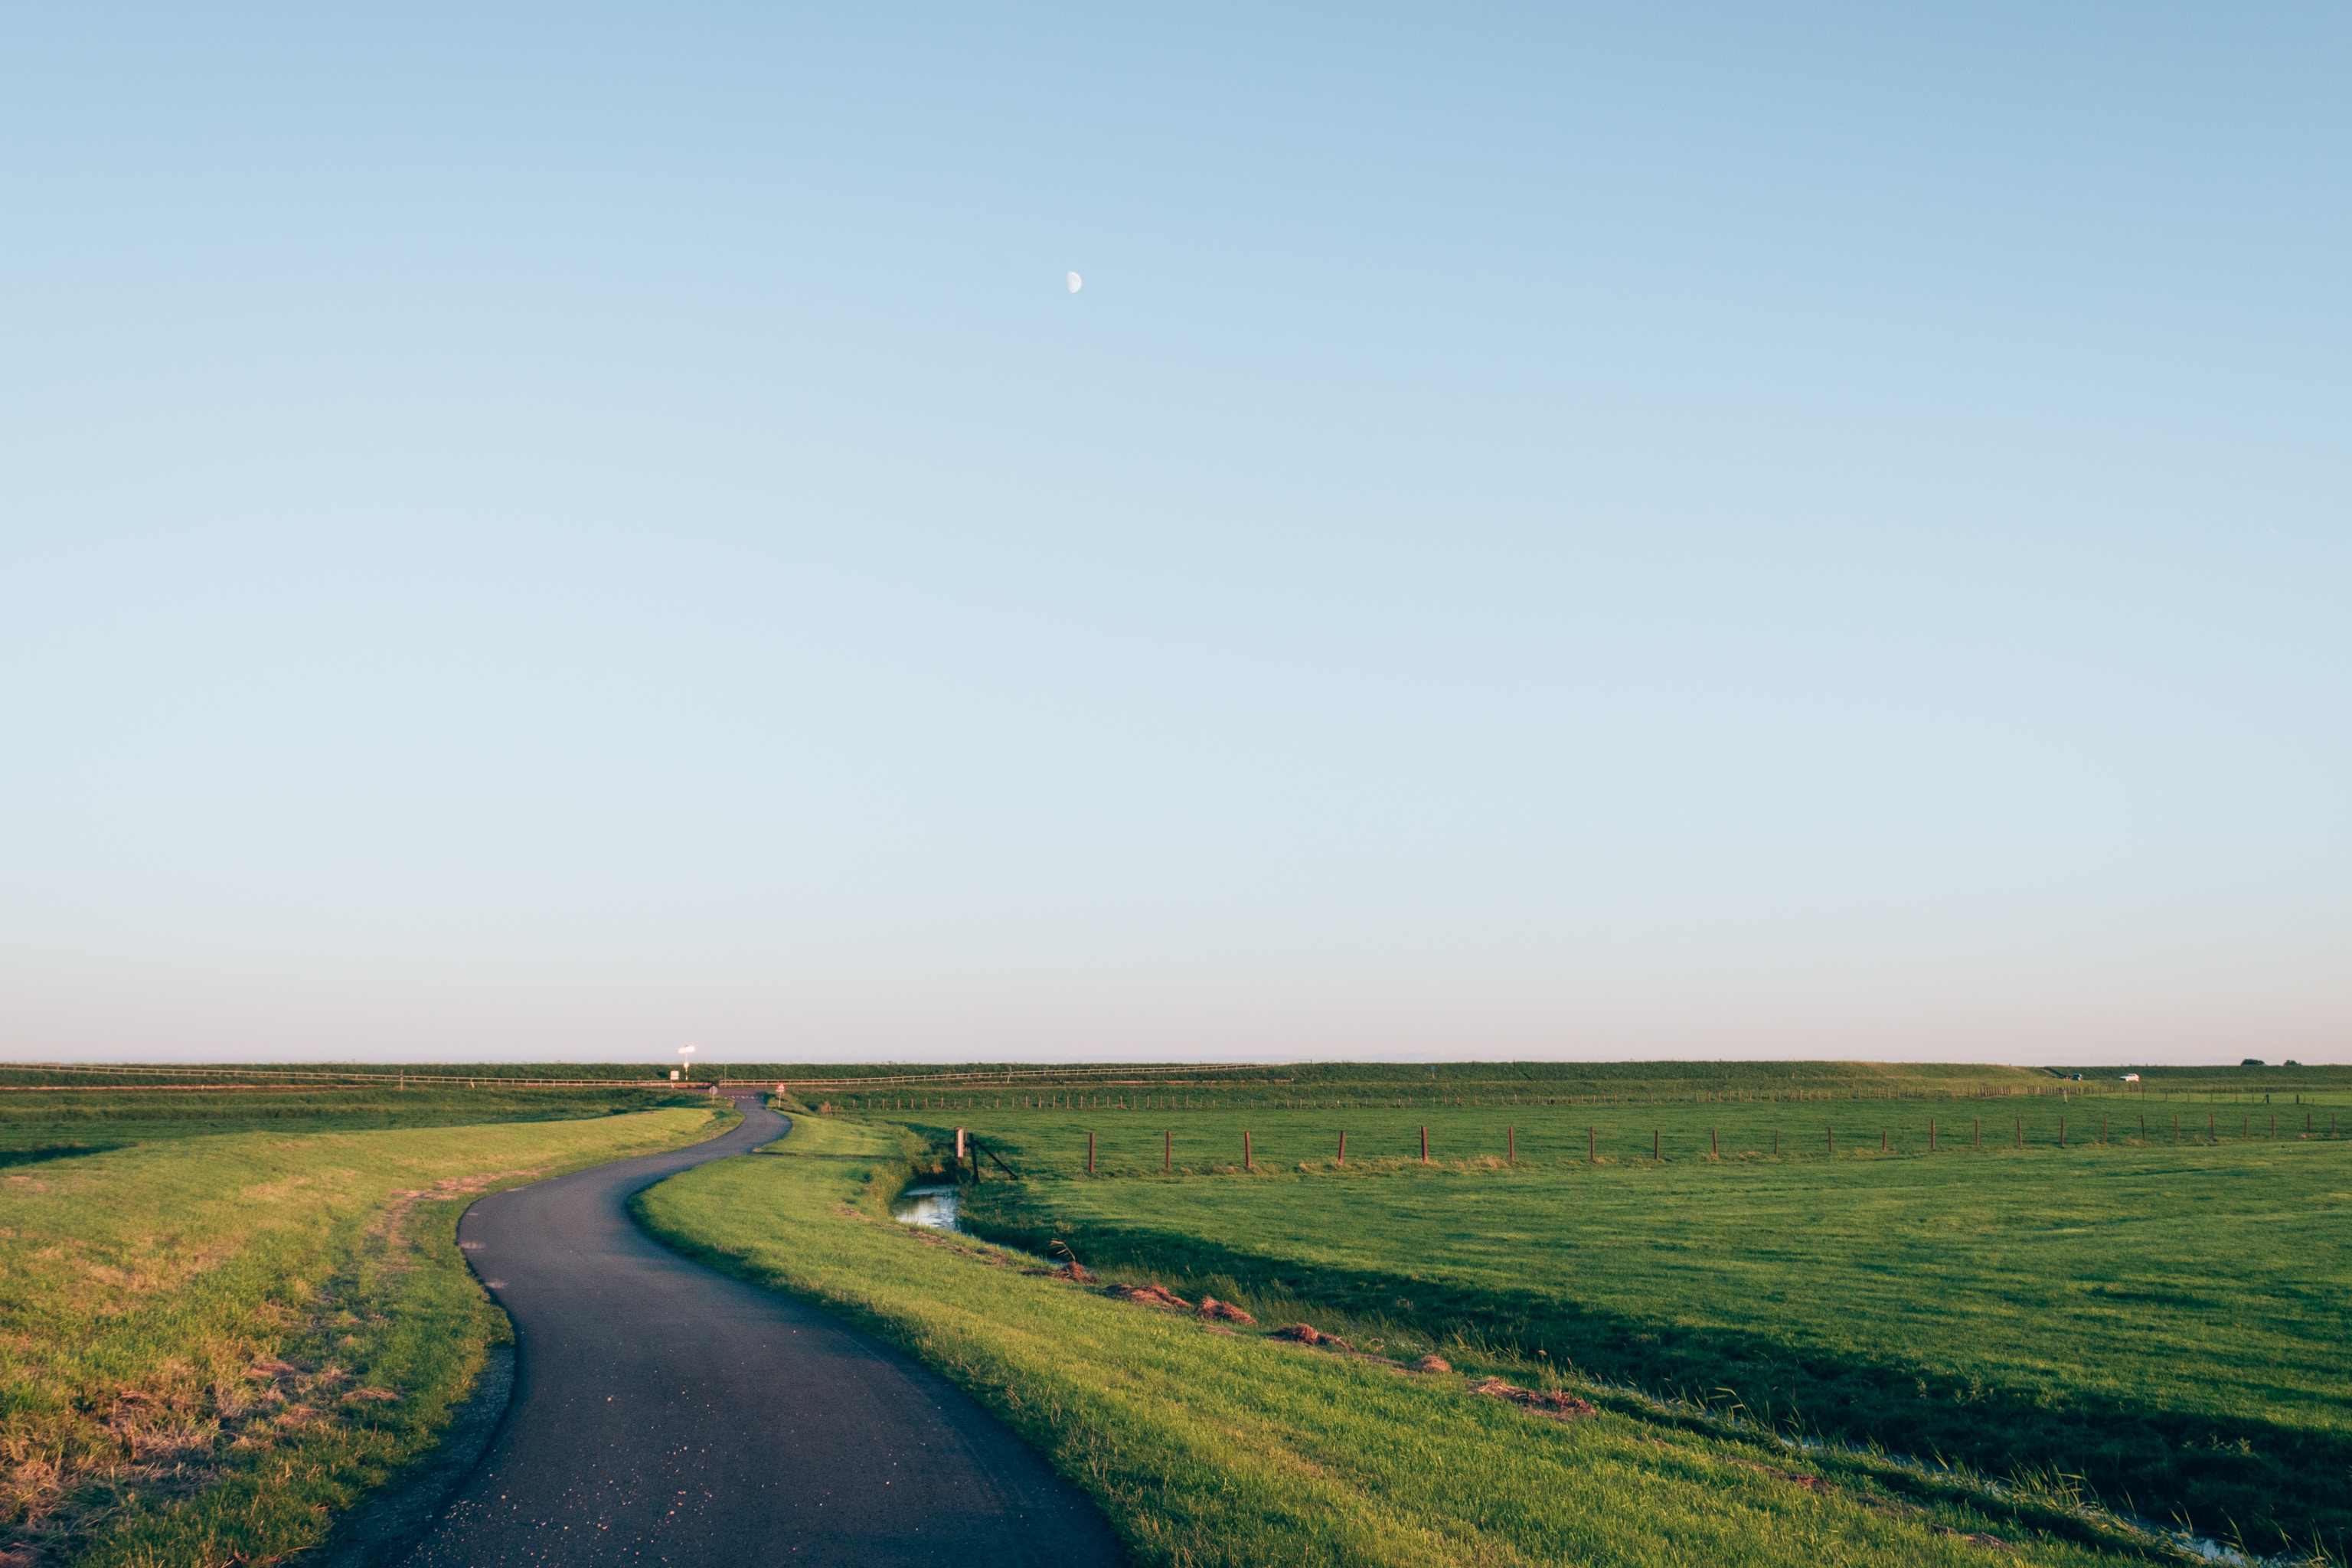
(665, 1414)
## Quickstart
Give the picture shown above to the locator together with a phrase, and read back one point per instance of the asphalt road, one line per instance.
(664, 1413)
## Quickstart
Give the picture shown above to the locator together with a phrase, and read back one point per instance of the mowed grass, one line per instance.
(210, 1343)
(2165, 1321)
(37, 1121)
(1461, 1085)
(1210, 1449)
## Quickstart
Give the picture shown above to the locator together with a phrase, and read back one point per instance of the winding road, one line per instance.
(665, 1414)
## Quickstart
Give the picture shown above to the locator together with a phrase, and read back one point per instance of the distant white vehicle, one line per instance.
(2131, 1077)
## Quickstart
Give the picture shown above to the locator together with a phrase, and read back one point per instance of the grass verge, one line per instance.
(37, 1123)
(1207, 1448)
(2157, 1324)
(208, 1346)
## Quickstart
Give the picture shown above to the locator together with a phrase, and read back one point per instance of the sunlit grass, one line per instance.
(2164, 1321)
(208, 1344)
(80, 1116)
(1209, 1449)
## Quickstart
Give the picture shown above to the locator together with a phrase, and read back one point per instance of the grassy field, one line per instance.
(80, 1118)
(1503, 1084)
(1682, 1081)
(2164, 1321)
(1366, 1082)
(211, 1341)
(1213, 1448)
(1233, 1086)
(1144, 1139)
(2136, 1290)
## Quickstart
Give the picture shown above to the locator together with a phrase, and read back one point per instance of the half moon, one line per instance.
(1076, 282)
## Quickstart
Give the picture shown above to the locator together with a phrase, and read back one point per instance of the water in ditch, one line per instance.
(932, 1206)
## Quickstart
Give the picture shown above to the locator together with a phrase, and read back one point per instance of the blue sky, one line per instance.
(1671, 531)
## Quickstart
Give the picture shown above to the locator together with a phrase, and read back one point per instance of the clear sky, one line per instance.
(1633, 532)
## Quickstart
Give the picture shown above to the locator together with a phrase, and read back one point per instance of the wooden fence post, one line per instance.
(1424, 1144)
(1343, 1145)
(1090, 1153)
(1833, 1132)
(2020, 1132)
(1247, 1163)
(1592, 1146)
(1511, 1144)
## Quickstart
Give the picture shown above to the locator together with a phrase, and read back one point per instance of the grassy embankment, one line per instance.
(209, 1342)
(39, 1123)
(1207, 1448)
(1197, 1086)
(1364, 1085)
(2166, 1322)
(1236, 1086)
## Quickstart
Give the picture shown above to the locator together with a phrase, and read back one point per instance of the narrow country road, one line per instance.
(665, 1414)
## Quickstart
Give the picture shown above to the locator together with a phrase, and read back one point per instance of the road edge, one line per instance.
(389, 1525)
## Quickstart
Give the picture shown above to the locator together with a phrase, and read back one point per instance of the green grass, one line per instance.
(915, 1086)
(80, 1118)
(1264, 1084)
(2161, 1319)
(142, 1285)
(1993, 1090)
(1205, 1450)
(2166, 1322)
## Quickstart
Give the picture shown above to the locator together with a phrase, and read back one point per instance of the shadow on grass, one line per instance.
(2228, 1477)
(36, 1154)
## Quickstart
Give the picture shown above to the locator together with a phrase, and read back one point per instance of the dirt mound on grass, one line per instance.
(1149, 1296)
(1433, 1363)
(1308, 1334)
(1075, 1272)
(1224, 1311)
(1794, 1478)
(1557, 1405)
